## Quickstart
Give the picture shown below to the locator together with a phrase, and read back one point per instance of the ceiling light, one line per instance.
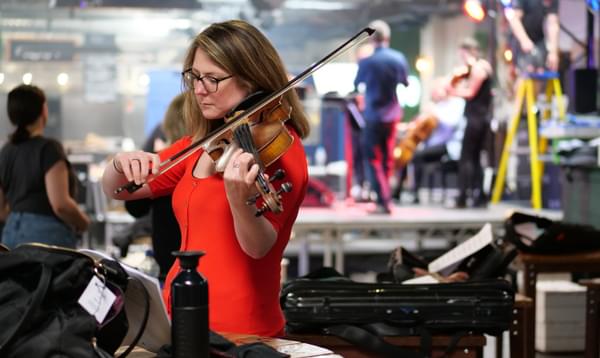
(508, 55)
(27, 78)
(423, 64)
(474, 10)
(62, 79)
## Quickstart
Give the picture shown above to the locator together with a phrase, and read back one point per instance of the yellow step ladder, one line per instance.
(526, 91)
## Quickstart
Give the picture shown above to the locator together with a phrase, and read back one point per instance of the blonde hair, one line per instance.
(470, 44)
(173, 124)
(244, 52)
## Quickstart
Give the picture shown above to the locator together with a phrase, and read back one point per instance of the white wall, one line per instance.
(440, 39)
(573, 16)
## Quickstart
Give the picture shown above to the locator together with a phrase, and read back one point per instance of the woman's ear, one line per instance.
(44, 113)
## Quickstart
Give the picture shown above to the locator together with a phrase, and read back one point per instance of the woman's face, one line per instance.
(466, 56)
(229, 92)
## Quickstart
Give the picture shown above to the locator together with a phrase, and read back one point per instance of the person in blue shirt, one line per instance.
(380, 73)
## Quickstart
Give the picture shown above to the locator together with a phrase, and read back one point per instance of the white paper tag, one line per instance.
(97, 299)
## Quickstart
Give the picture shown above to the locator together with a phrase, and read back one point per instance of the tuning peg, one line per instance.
(279, 174)
(285, 188)
(261, 210)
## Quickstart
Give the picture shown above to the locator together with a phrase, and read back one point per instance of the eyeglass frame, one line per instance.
(200, 79)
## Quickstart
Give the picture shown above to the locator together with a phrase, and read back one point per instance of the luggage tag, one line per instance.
(97, 299)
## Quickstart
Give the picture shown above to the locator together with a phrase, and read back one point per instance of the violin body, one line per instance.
(460, 73)
(419, 130)
(271, 136)
(265, 136)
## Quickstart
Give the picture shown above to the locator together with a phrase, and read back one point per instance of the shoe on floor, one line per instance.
(459, 204)
(381, 210)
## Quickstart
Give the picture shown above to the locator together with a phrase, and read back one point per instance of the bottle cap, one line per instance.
(188, 259)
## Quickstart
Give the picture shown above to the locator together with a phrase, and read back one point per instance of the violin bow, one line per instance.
(169, 163)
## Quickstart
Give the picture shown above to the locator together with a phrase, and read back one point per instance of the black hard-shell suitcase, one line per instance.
(313, 305)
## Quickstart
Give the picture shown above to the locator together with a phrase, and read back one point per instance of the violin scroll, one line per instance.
(273, 202)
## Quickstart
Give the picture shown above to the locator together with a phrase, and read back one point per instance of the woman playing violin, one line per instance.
(476, 89)
(225, 64)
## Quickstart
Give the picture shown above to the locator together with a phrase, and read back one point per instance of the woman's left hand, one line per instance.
(239, 177)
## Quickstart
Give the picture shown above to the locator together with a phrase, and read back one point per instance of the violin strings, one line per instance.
(244, 138)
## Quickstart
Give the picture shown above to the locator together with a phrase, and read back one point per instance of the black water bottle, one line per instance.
(189, 308)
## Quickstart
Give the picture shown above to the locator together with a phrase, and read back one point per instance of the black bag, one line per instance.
(338, 306)
(492, 261)
(536, 234)
(40, 287)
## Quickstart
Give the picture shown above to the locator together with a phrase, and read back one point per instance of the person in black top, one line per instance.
(476, 89)
(535, 25)
(36, 180)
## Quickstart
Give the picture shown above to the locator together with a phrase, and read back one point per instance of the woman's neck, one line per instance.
(36, 129)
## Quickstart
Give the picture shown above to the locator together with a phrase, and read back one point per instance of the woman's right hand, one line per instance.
(137, 165)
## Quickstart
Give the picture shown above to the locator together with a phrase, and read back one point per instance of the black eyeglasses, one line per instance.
(210, 83)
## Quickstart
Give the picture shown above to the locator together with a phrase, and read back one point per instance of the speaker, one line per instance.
(333, 122)
(584, 90)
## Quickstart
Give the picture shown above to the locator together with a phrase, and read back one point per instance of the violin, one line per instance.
(266, 138)
(419, 130)
(460, 73)
(265, 118)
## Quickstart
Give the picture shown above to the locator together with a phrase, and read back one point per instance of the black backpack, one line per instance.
(540, 235)
(40, 287)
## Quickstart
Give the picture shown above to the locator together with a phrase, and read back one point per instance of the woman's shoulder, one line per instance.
(35, 144)
(296, 153)
(483, 65)
(41, 141)
(176, 147)
(181, 143)
(50, 144)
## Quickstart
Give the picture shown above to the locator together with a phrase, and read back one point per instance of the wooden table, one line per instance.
(294, 348)
(520, 326)
(470, 346)
(592, 306)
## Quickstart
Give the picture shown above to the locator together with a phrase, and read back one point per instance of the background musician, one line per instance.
(381, 73)
(224, 64)
(444, 140)
(476, 89)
